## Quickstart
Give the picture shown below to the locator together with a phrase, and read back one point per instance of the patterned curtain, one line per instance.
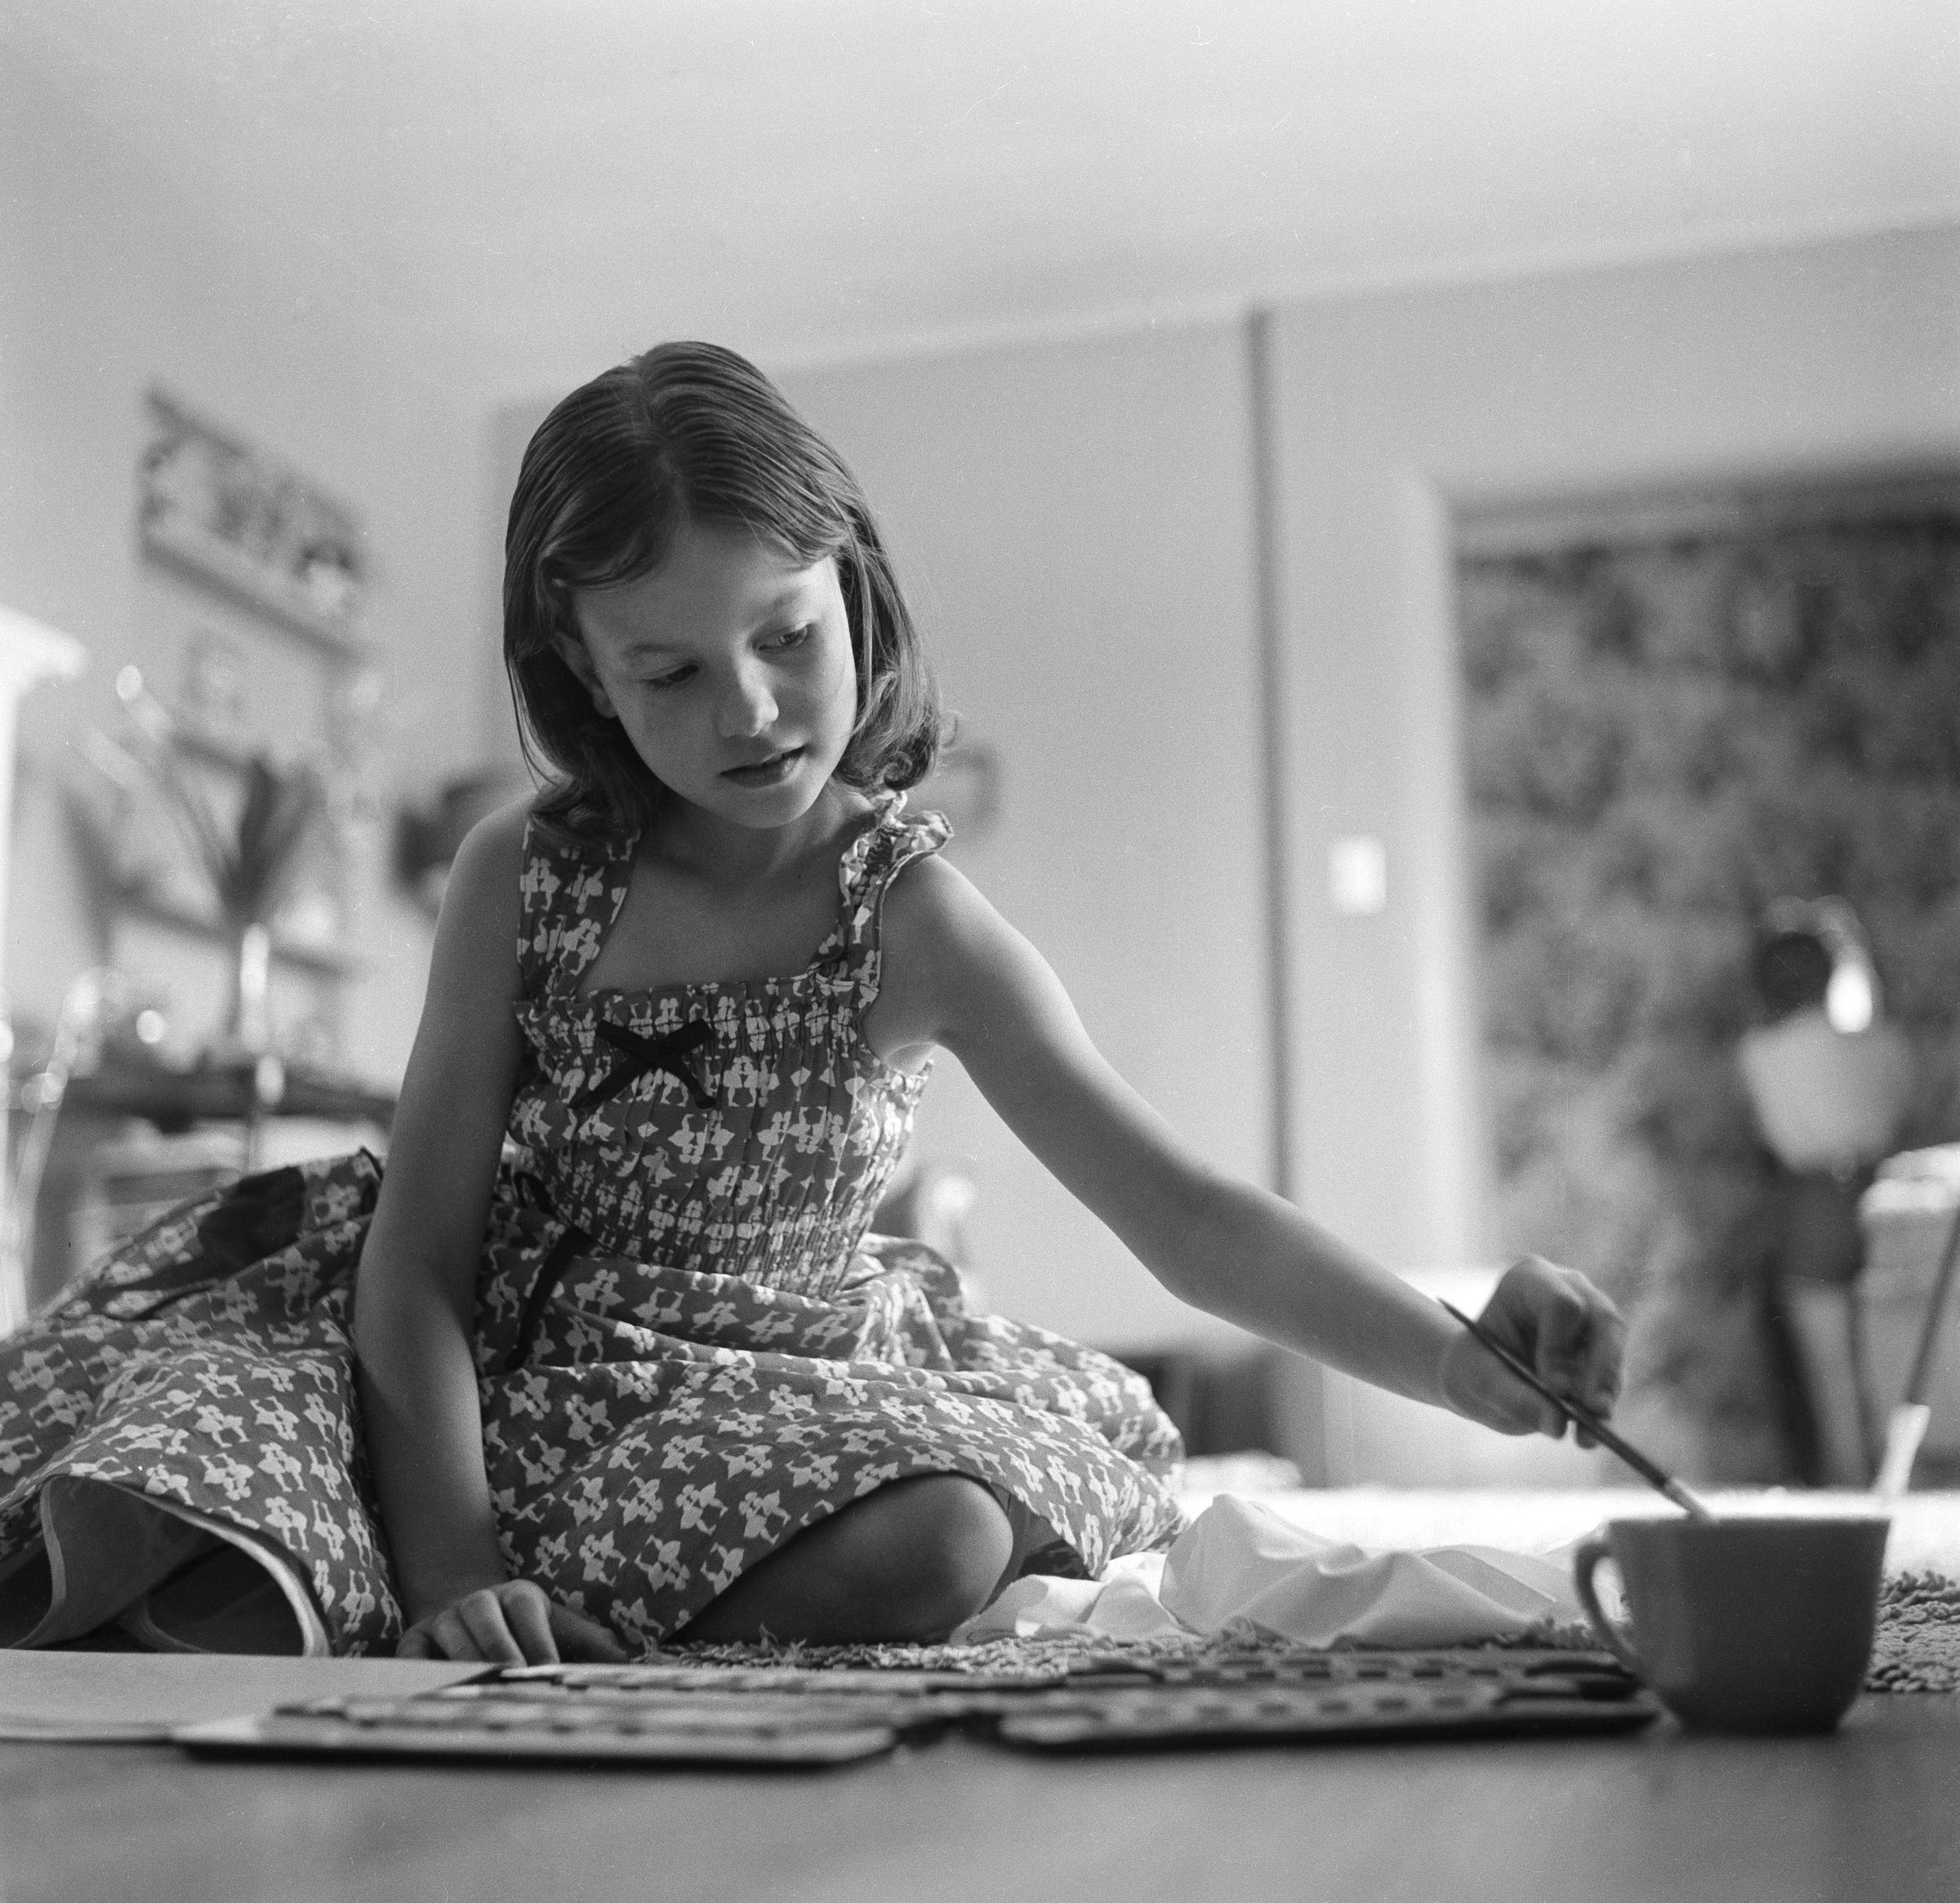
(1666, 730)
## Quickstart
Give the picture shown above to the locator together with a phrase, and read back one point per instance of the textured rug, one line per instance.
(1917, 1649)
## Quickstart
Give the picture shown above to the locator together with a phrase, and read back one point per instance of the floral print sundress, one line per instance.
(689, 1347)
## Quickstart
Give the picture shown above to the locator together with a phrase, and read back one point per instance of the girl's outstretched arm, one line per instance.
(413, 1310)
(957, 974)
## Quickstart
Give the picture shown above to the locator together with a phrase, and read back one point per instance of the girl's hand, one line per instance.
(515, 1624)
(1554, 1320)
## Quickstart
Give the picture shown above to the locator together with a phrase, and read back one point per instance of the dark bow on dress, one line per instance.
(647, 1054)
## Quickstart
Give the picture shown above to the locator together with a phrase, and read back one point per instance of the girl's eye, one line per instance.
(678, 678)
(791, 637)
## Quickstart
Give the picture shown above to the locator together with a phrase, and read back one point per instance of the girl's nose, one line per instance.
(747, 707)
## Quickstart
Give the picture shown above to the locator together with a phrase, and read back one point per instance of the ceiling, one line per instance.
(530, 188)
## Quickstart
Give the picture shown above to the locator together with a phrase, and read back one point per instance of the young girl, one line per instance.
(630, 1365)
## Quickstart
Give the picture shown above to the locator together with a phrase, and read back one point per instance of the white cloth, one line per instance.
(1241, 1563)
(1122, 1604)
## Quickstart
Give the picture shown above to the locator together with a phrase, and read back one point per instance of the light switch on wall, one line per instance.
(1357, 876)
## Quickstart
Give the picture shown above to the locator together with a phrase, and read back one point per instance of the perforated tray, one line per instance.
(671, 1713)
(1189, 1715)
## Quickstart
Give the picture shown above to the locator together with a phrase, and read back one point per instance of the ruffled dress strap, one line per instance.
(875, 858)
(572, 894)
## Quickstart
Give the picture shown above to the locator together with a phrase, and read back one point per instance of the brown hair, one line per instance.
(689, 432)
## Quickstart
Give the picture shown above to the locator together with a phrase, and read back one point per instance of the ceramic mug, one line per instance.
(1748, 1624)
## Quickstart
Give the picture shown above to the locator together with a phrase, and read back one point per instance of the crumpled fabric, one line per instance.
(1239, 1565)
(1240, 1561)
(1123, 1603)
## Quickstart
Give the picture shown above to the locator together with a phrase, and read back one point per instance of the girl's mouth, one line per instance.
(766, 773)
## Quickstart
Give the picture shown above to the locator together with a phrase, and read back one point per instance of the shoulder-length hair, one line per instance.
(689, 432)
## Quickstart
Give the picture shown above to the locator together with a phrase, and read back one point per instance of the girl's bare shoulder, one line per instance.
(931, 907)
(951, 960)
(498, 837)
(482, 902)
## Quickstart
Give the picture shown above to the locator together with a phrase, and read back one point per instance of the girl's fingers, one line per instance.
(1605, 1350)
(1585, 1338)
(1546, 1312)
(444, 1637)
(517, 1623)
(584, 1639)
(1571, 1334)
(481, 1615)
(1546, 1419)
(1491, 1394)
(1523, 1408)
(527, 1613)
(1565, 1327)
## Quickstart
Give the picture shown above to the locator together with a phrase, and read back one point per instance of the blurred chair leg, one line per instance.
(1823, 1324)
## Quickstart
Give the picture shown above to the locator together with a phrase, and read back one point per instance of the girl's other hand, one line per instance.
(515, 1624)
(1554, 1320)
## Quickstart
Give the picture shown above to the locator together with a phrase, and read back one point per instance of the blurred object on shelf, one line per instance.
(242, 872)
(249, 862)
(352, 737)
(427, 834)
(210, 705)
(309, 1043)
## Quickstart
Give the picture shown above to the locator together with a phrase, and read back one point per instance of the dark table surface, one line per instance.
(175, 1099)
(1873, 1811)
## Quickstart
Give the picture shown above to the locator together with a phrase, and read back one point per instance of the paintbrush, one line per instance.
(1584, 1418)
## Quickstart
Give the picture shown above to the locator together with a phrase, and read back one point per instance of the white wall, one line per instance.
(107, 284)
(1393, 408)
(1074, 522)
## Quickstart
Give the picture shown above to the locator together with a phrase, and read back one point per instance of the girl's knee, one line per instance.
(937, 1544)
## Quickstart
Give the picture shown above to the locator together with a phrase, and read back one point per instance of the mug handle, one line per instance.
(1585, 1562)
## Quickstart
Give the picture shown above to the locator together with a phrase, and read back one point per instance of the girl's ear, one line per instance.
(571, 651)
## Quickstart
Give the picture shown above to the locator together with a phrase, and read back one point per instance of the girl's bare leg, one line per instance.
(908, 1562)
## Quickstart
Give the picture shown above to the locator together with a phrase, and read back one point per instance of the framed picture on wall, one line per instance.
(233, 518)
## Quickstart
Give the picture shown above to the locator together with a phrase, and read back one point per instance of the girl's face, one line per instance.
(730, 668)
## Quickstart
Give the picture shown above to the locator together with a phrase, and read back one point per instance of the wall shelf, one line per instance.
(211, 562)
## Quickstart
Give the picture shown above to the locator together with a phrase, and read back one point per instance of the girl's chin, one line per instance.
(775, 803)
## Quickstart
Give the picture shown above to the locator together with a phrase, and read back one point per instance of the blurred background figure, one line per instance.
(1829, 1079)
